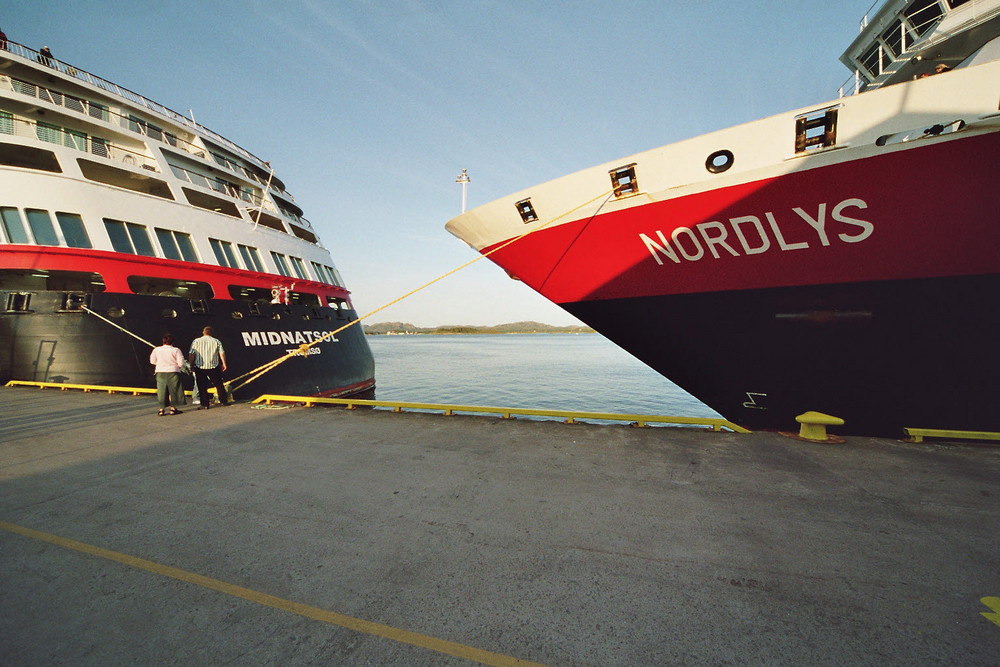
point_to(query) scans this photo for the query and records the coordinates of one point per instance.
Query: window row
(36, 227)
(68, 231)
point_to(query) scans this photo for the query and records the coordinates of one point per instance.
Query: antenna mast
(463, 178)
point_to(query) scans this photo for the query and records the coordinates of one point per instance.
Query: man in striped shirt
(208, 360)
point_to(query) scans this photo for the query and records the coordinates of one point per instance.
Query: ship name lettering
(748, 235)
(258, 338)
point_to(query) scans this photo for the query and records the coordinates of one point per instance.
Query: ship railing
(569, 416)
(81, 141)
(134, 98)
(888, 50)
(222, 187)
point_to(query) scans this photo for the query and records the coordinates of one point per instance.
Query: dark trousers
(210, 377)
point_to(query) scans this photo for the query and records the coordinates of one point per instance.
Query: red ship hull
(822, 289)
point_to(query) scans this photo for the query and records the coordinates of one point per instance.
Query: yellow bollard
(814, 425)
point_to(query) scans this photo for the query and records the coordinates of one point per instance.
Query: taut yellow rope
(303, 349)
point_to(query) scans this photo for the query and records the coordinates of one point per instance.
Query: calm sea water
(584, 372)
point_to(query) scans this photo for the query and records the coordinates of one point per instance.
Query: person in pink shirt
(168, 361)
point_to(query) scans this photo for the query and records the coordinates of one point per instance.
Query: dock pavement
(290, 535)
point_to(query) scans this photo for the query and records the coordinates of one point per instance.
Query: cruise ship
(121, 220)
(840, 258)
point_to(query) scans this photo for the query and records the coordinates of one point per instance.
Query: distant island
(405, 329)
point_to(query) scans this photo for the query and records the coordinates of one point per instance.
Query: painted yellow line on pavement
(349, 622)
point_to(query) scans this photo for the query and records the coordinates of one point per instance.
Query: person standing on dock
(168, 361)
(208, 359)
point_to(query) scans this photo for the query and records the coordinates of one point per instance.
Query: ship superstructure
(121, 219)
(840, 257)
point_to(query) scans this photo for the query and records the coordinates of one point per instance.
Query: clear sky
(368, 111)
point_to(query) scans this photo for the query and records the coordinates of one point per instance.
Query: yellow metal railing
(135, 391)
(569, 415)
(918, 434)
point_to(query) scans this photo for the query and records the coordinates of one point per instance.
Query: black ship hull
(881, 355)
(55, 340)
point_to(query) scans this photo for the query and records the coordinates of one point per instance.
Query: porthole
(116, 312)
(719, 161)
(237, 315)
(275, 316)
(168, 313)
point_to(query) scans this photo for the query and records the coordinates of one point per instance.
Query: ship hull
(819, 289)
(882, 355)
(51, 343)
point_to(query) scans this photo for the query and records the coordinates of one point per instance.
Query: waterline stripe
(333, 618)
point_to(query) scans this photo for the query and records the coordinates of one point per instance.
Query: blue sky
(369, 110)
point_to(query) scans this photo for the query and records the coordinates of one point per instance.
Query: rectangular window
(6, 122)
(279, 261)
(224, 253)
(167, 243)
(50, 133)
(73, 230)
(99, 111)
(99, 146)
(186, 246)
(298, 267)
(74, 139)
(320, 272)
(13, 225)
(119, 237)
(251, 258)
(41, 227)
(176, 245)
(129, 237)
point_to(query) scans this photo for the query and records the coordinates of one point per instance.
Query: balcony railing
(134, 98)
(53, 134)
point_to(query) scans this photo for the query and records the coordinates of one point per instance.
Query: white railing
(134, 98)
(53, 134)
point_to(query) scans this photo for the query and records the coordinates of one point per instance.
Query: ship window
(18, 302)
(279, 261)
(28, 157)
(893, 38)
(188, 289)
(99, 147)
(251, 294)
(303, 234)
(41, 227)
(260, 218)
(623, 181)
(14, 226)
(251, 258)
(211, 203)
(6, 122)
(956, 3)
(43, 280)
(74, 302)
(122, 178)
(302, 299)
(526, 211)
(176, 245)
(73, 230)
(816, 130)
(224, 253)
(923, 14)
(48, 132)
(129, 237)
(99, 111)
(298, 267)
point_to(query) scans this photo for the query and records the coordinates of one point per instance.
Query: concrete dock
(289, 535)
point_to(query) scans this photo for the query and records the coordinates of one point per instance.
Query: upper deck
(908, 39)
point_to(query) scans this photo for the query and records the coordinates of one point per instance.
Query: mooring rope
(303, 349)
(116, 326)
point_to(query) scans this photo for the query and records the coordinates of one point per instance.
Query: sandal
(161, 413)
(175, 411)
